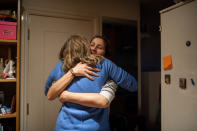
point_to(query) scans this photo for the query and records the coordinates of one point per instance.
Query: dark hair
(106, 41)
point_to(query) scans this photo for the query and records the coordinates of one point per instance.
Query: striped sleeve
(109, 90)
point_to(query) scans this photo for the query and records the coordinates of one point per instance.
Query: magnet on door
(192, 81)
(182, 83)
(167, 79)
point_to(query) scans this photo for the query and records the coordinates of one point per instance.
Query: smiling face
(97, 46)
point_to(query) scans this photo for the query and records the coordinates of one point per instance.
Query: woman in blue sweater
(77, 117)
(99, 45)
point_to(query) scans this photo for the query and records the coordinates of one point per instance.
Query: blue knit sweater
(75, 117)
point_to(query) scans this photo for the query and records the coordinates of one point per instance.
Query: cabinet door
(47, 35)
(179, 106)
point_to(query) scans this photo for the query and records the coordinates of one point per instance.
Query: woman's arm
(99, 100)
(86, 99)
(79, 70)
(120, 76)
(59, 86)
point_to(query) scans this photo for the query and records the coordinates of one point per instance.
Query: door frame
(137, 22)
(25, 21)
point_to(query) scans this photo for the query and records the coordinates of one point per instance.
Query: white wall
(124, 9)
(151, 98)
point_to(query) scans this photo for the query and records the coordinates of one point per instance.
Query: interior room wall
(112, 8)
(151, 107)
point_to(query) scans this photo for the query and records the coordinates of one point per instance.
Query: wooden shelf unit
(7, 80)
(12, 115)
(2, 41)
(12, 51)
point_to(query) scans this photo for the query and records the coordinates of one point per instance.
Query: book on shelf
(13, 104)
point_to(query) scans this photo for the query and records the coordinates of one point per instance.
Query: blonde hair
(77, 49)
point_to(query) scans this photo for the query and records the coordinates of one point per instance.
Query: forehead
(99, 41)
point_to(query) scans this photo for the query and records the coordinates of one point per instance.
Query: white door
(47, 35)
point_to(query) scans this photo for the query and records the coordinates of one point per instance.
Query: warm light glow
(22, 17)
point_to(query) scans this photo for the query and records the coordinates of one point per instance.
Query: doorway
(122, 36)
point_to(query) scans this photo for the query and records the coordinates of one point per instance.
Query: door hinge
(27, 108)
(160, 28)
(28, 34)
